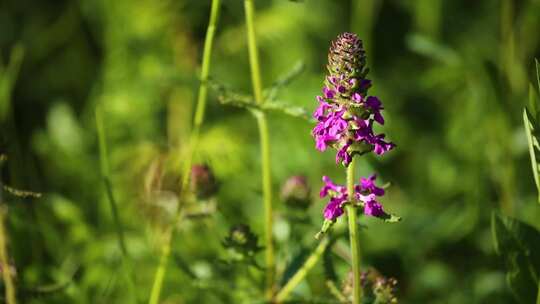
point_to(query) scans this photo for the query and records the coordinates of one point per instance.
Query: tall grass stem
(192, 145)
(265, 146)
(109, 190)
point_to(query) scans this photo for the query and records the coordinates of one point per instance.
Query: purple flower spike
(346, 113)
(345, 118)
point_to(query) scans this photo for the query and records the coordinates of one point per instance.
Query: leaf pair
(228, 96)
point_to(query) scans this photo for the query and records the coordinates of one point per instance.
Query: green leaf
(537, 72)
(519, 246)
(532, 140)
(295, 264)
(390, 218)
(283, 81)
(327, 224)
(8, 77)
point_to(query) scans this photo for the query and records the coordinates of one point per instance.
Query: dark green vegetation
(454, 77)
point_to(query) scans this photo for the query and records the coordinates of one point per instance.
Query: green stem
(538, 294)
(104, 164)
(4, 260)
(265, 146)
(193, 141)
(253, 52)
(353, 233)
(302, 272)
(267, 198)
(105, 173)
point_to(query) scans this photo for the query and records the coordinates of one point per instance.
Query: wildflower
(366, 193)
(346, 113)
(296, 192)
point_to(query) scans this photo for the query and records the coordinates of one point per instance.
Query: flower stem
(4, 259)
(302, 272)
(192, 144)
(353, 233)
(253, 52)
(267, 198)
(265, 146)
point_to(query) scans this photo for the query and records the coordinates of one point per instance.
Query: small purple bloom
(330, 186)
(333, 210)
(382, 146)
(328, 93)
(343, 156)
(338, 195)
(373, 208)
(366, 192)
(368, 185)
(375, 106)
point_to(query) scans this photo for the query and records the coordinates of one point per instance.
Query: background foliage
(453, 75)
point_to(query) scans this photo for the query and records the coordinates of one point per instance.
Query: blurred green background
(453, 76)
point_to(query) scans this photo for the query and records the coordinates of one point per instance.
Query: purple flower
(365, 193)
(373, 208)
(333, 210)
(382, 146)
(343, 156)
(328, 93)
(375, 106)
(346, 113)
(338, 195)
(329, 187)
(367, 185)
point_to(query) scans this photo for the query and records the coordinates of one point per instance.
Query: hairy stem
(105, 174)
(353, 234)
(265, 146)
(194, 139)
(302, 272)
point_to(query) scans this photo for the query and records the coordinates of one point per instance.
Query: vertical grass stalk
(265, 146)
(192, 145)
(9, 285)
(105, 174)
(303, 271)
(353, 234)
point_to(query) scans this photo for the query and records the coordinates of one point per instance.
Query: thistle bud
(296, 192)
(242, 240)
(203, 182)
